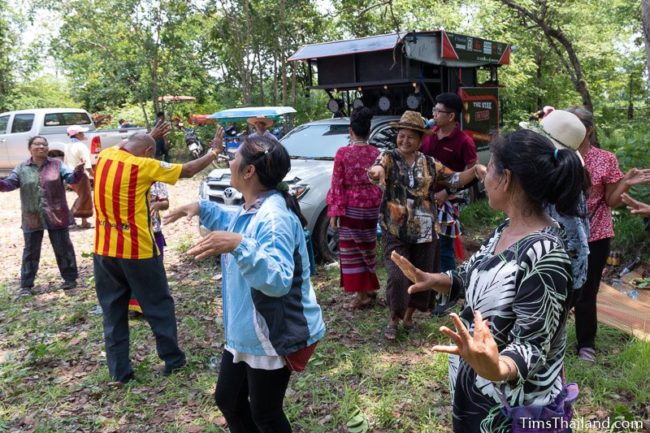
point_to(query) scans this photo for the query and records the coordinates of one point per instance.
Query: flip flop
(390, 332)
(587, 354)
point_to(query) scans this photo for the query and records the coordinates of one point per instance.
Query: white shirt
(75, 152)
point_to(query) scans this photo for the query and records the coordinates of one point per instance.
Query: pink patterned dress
(355, 201)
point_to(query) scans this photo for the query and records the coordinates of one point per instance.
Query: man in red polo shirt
(456, 150)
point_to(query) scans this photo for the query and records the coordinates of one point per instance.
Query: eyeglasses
(39, 144)
(435, 110)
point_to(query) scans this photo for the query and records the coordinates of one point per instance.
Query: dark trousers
(115, 280)
(63, 251)
(447, 258)
(585, 306)
(251, 399)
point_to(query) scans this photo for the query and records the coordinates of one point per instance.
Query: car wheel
(326, 240)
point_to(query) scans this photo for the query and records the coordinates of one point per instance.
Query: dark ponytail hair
(360, 122)
(545, 174)
(272, 163)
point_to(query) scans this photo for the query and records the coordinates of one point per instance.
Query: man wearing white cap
(76, 153)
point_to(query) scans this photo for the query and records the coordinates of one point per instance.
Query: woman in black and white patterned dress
(511, 335)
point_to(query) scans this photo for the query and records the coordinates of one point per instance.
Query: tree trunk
(568, 57)
(645, 16)
(539, 62)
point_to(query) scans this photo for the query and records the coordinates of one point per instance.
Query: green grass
(56, 379)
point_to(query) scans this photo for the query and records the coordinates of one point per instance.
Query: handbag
(552, 418)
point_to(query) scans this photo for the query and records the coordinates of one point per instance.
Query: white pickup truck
(17, 127)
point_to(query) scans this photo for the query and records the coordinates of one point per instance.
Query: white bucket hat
(564, 129)
(75, 129)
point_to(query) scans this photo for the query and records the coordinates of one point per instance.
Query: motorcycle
(192, 141)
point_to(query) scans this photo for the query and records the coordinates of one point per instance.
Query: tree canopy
(234, 52)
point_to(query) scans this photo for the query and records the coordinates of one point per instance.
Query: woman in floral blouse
(510, 338)
(607, 186)
(408, 214)
(353, 208)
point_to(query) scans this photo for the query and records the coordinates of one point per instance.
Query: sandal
(390, 332)
(587, 354)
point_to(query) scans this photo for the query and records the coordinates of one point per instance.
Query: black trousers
(585, 306)
(63, 251)
(251, 399)
(115, 279)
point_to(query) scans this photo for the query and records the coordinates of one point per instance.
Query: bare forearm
(193, 167)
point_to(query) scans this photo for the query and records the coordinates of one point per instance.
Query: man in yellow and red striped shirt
(126, 256)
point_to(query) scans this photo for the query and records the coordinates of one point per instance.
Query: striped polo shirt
(122, 181)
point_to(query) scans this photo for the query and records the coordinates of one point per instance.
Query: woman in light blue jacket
(271, 317)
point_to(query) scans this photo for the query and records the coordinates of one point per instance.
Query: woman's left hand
(636, 176)
(480, 350)
(215, 243)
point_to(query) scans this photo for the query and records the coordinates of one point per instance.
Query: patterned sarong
(357, 245)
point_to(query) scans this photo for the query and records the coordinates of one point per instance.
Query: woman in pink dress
(608, 184)
(353, 207)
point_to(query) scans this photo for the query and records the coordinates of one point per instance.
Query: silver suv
(312, 147)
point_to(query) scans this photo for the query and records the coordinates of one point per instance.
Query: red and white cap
(75, 129)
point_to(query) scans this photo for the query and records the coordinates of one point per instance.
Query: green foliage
(631, 237)
(42, 92)
(478, 218)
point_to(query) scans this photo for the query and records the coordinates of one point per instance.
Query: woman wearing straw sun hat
(408, 214)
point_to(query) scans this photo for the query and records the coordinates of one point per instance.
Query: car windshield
(316, 141)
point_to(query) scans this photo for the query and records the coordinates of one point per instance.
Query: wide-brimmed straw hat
(411, 120)
(256, 119)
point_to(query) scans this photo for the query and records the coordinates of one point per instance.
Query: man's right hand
(161, 130)
(217, 141)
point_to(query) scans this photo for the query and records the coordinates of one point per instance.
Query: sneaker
(24, 292)
(67, 285)
(441, 310)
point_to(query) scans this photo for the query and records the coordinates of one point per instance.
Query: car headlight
(298, 190)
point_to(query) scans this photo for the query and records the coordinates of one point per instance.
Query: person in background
(123, 123)
(635, 206)
(608, 184)
(77, 152)
(566, 131)
(261, 125)
(162, 143)
(456, 150)
(353, 207)
(126, 257)
(408, 214)
(158, 200)
(510, 337)
(44, 207)
(271, 317)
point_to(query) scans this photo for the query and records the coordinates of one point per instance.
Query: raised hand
(423, 281)
(480, 171)
(635, 206)
(189, 211)
(377, 175)
(215, 243)
(217, 141)
(637, 176)
(80, 167)
(480, 350)
(161, 130)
